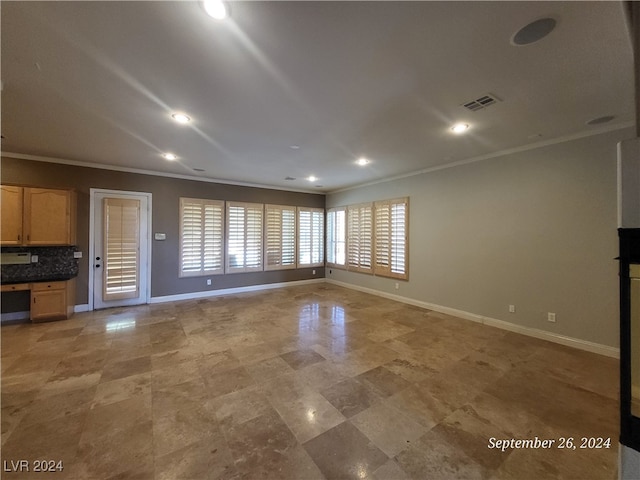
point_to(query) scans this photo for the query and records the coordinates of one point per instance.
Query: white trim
(492, 322)
(81, 308)
(147, 268)
(231, 291)
(488, 156)
(11, 316)
(141, 171)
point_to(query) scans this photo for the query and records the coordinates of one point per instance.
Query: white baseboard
(231, 291)
(81, 308)
(12, 316)
(512, 327)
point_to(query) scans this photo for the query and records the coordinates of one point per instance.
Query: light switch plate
(77, 254)
(160, 236)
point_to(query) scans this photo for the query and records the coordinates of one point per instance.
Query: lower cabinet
(52, 300)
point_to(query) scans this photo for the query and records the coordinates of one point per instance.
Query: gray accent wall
(166, 192)
(536, 229)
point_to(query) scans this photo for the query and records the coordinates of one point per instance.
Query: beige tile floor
(311, 382)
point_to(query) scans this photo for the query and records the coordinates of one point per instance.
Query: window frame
(361, 237)
(387, 269)
(332, 242)
(270, 208)
(202, 271)
(247, 207)
(313, 238)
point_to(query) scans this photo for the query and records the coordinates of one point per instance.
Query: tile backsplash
(54, 263)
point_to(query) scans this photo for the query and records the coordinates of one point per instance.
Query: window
(244, 237)
(280, 237)
(336, 236)
(310, 237)
(201, 237)
(391, 218)
(122, 246)
(359, 237)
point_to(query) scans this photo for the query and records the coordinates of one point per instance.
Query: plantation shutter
(383, 238)
(310, 236)
(399, 239)
(331, 234)
(244, 237)
(340, 236)
(280, 241)
(359, 237)
(122, 248)
(201, 236)
(391, 238)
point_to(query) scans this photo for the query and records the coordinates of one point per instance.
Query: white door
(119, 257)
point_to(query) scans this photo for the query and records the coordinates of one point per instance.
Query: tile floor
(308, 382)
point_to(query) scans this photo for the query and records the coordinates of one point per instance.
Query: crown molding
(102, 166)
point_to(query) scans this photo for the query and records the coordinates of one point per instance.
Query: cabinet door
(48, 304)
(47, 216)
(11, 215)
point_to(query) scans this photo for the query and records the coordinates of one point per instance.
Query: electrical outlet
(313, 271)
(208, 281)
(512, 309)
(551, 317)
(397, 286)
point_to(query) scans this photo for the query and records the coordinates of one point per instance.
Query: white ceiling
(96, 82)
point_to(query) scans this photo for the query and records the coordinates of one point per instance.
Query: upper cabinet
(38, 216)
(11, 215)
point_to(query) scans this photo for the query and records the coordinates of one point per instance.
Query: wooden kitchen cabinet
(52, 300)
(38, 216)
(12, 199)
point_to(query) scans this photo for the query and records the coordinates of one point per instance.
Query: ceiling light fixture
(215, 9)
(312, 178)
(362, 161)
(181, 118)
(170, 156)
(460, 128)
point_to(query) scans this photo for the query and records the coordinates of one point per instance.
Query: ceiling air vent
(482, 102)
(289, 178)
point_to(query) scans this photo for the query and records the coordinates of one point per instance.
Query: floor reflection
(309, 318)
(118, 325)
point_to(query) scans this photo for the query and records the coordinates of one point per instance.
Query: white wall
(536, 229)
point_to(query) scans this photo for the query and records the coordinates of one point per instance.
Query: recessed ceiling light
(460, 127)
(362, 161)
(181, 117)
(600, 120)
(215, 9)
(312, 178)
(170, 156)
(533, 32)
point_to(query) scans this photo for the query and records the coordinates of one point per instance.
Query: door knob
(97, 258)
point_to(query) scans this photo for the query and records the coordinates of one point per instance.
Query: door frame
(144, 269)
